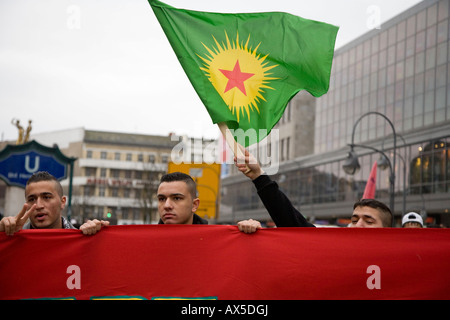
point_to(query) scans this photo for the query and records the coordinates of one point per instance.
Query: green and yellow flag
(246, 67)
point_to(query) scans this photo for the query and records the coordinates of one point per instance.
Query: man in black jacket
(177, 203)
(367, 213)
(178, 200)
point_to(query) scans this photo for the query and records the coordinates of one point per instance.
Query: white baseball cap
(412, 217)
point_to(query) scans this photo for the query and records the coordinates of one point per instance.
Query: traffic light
(111, 217)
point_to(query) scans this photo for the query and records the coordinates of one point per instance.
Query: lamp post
(351, 165)
(383, 166)
(383, 163)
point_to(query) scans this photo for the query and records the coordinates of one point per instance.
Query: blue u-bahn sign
(19, 162)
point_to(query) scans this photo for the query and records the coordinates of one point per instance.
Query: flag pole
(234, 146)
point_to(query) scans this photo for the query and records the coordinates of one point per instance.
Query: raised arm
(276, 202)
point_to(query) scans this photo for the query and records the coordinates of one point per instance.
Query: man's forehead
(366, 211)
(40, 187)
(172, 188)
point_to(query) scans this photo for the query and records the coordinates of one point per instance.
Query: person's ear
(195, 204)
(63, 202)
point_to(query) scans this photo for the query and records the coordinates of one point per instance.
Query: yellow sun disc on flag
(239, 74)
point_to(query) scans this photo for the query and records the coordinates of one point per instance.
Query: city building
(389, 97)
(116, 175)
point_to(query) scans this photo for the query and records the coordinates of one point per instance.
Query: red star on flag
(236, 78)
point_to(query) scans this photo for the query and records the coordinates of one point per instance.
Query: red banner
(219, 262)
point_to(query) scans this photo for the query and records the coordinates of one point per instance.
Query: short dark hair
(386, 214)
(45, 176)
(180, 176)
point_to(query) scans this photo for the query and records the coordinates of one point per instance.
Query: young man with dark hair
(44, 203)
(178, 200)
(371, 213)
(177, 203)
(367, 213)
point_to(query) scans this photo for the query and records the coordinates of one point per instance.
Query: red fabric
(369, 191)
(200, 261)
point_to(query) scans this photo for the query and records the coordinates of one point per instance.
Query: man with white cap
(412, 220)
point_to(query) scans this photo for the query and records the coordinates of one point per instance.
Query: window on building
(115, 173)
(136, 214)
(114, 192)
(288, 143)
(90, 172)
(88, 191)
(430, 168)
(100, 212)
(125, 213)
(138, 174)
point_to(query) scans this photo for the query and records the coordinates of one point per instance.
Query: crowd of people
(367, 213)
(178, 201)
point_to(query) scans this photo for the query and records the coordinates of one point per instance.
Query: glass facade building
(400, 71)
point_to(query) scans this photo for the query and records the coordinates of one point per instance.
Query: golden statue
(21, 139)
(27, 134)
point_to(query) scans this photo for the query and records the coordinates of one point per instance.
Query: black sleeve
(278, 205)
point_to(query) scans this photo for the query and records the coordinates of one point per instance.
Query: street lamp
(351, 164)
(383, 162)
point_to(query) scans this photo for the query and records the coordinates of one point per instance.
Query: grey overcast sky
(107, 65)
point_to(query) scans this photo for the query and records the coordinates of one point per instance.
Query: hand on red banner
(249, 226)
(10, 225)
(91, 227)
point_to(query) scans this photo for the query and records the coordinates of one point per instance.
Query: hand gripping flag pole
(234, 146)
